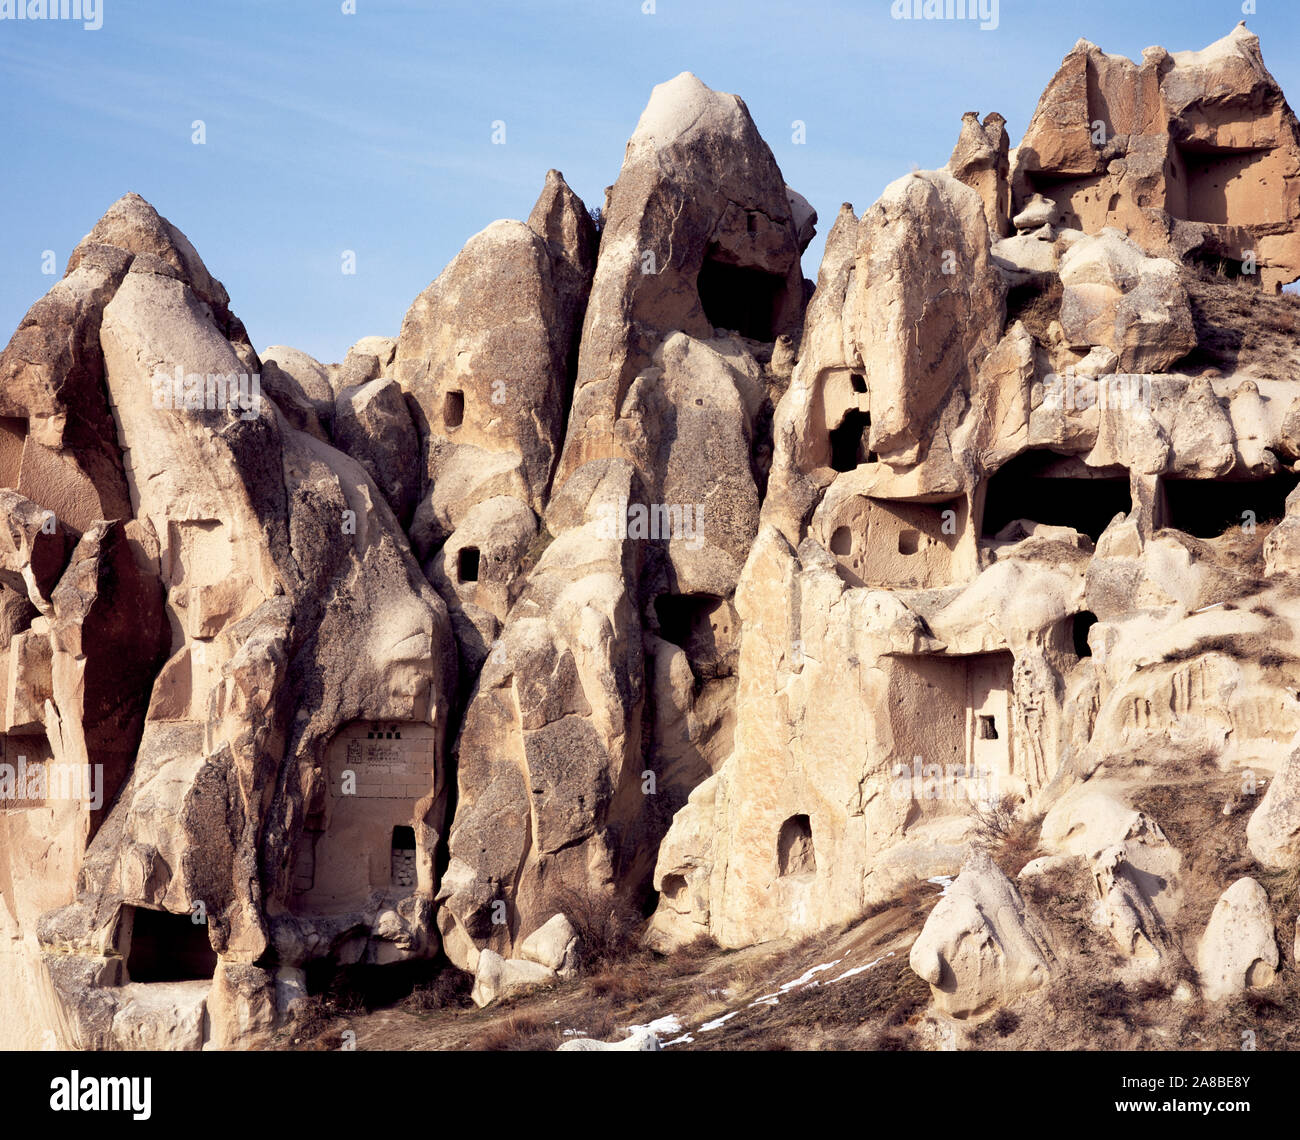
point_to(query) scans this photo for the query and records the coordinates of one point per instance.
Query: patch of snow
(807, 976)
(575, 1032)
(944, 881)
(660, 1027)
(769, 999)
(718, 1021)
(862, 969)
(684, 1039)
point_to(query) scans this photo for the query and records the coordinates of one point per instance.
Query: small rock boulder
(554, 945)
(1273, 833)
(499, 977)
(1116, 296)
(1238, 950)
(980, 946)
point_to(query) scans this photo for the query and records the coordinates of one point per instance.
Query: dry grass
(1036, 308)
(522, 1032)
(608, 928)
(1239, 327)
(449, 990)
(1011, 838)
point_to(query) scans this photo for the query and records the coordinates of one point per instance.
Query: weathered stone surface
(554, 945)
(485, 356)
(1118, 298)
(1238, 950)
(769, 611)
(498, 977)
(980, 946)
(1273, 832)
(372, 424)
(1191, 153)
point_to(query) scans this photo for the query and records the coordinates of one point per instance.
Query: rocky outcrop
(1190, 154)
(186, 636)
(725, 601)
(980, 944)
(485, 357)
(1273, 832)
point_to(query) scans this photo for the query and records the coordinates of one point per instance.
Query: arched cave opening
(794, 847)
(740, 299)
(1044, 487)
(1208, 508)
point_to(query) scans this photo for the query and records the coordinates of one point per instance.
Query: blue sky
(372, 132)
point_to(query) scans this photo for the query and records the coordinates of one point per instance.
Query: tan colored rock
(1118, 298)
(927, 233)
(980, 946)
(499, 977)
(554, 945)
(980, 161)
(1190, 154)
(485, 356)
(699, 237)
(1273, 831)
(1238, 950)
(372, 424)
(1124, 908)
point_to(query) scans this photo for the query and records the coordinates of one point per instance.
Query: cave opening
(1080, 626)
(168, 947)
(453, 410)
(1044, 487)
(1208, 508)
(684, 619)
(467, 559)
(849, 441)
(794, 845)
(740, 299)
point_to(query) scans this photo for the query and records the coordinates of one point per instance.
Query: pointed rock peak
(563, 222)
(684, 105)
(133, 225)
(1240, 42)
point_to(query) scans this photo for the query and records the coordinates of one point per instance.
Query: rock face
(485, 358)
(1192, 153)
(1117, 298)
(653, 510)
(185, 632)
(723, 601)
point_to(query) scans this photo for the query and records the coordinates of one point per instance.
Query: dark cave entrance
(1208, 508)
(849, 441)
(168, 947)
(684, 619)
(453, 410)
(1044, 487)
(1080, 625)
(744, 300)
(467, 564)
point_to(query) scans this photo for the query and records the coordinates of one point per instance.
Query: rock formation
(638, 575)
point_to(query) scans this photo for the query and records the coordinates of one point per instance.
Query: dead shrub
(449, 990)
(521, 1032)
(608, 928)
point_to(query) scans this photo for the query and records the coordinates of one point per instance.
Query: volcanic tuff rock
(735, 605)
